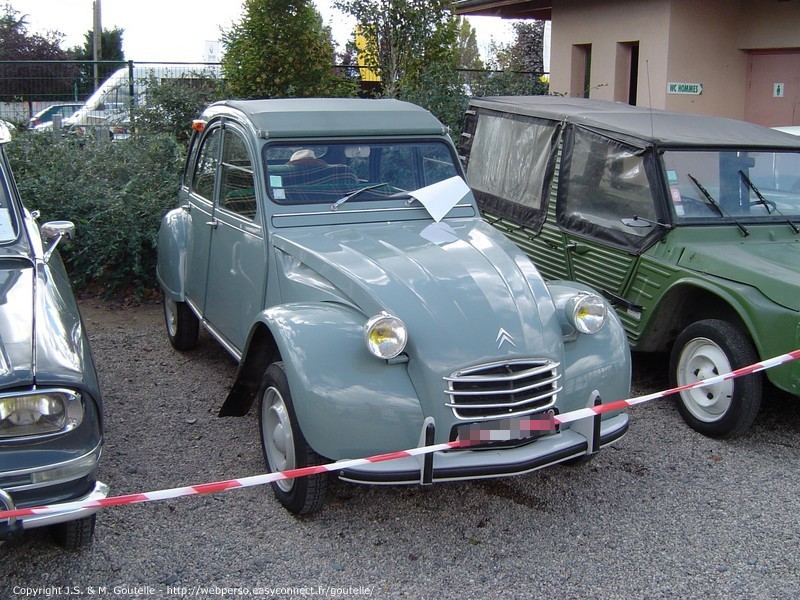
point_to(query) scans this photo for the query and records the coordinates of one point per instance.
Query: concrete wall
(682, 41)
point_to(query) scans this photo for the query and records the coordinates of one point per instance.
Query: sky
(177, 30)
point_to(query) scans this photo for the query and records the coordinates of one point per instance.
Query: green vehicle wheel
(704, 350)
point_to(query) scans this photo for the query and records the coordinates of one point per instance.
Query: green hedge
(114, 192)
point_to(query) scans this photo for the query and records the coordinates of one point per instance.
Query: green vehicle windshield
(747, 186)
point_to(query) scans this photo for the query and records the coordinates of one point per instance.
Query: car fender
(173, 238)
(348, 403)
(763, 320)
(599, 362)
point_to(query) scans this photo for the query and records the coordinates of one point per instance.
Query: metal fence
(106, 90)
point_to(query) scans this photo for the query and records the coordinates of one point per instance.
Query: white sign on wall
(692, 89)
(777, 90)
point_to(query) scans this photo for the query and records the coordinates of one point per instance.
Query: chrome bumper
(100, 491)
(455, 465)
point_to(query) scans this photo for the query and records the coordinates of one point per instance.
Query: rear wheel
(74, 534)
(704, 350)
(286, 448)
(183, 326)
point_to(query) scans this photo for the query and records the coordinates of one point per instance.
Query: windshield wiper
(358, 192)
(716, 205)
(764, 201)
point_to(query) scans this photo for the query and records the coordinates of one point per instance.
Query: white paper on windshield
(440, 197)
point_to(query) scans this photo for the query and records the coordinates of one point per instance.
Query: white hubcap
(702, 359)
(278, 439)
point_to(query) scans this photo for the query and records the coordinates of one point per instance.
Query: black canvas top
(659, 127)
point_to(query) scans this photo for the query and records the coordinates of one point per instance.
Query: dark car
(50, 405)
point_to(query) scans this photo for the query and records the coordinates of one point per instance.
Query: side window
(603, 182)
(237, 187)
(511, 166)
(205, 170)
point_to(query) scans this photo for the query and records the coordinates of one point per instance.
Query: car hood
(466, 294)
(32, 307)
(16, 322)
(771, 267)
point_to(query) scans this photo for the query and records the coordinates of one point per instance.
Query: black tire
(183, 326)
(73, 535)
(706, 349)
(285, 447)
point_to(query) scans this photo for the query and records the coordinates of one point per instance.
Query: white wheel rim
(699, 360)
(171, 310)
(277, 434)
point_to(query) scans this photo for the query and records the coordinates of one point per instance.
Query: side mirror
(53, 232)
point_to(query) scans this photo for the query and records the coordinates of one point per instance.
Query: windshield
(745, 186)
(8, 232)
(328, 172)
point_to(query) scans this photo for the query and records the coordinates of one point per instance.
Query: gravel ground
(666, 513)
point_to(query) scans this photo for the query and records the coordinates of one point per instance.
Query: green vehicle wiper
(716, 205)
(765, 202)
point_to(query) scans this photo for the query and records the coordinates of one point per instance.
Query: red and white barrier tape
(207, 488)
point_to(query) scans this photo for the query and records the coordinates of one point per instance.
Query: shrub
(114, 192)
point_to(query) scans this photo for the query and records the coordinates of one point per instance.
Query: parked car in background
(43, 120)
(334, 250)
(51, 412)
(688, 224)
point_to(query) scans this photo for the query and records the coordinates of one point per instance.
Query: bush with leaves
(115, 193)
(170, 105)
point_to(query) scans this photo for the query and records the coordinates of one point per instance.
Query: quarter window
(237, 187)
(205, 170)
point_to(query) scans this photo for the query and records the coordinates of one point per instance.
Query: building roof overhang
(506, 9)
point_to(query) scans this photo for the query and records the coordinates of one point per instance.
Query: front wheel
(704, 350)
(183, 326)
(76, 534)
(286, 448)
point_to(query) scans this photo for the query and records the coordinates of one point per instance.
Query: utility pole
(96, 41)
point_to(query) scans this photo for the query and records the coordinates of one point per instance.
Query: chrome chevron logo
(502, 337)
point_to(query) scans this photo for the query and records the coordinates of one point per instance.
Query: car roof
(650, 126)
(326, 117)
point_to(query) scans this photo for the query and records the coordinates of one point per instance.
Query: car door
(607, 208)
(199, 201)
(237, 266)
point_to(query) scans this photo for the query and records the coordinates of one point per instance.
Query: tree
(526, 53)
(280, 48)
(110, 50)
(50, 81)
(469, 57)
(404, 37)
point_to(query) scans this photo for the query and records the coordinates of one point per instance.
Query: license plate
(503, 431)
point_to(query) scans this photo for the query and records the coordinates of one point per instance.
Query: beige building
(734, 58)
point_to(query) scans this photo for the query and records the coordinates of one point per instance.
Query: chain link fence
(100, 97)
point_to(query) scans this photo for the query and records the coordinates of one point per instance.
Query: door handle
(212, 223)
(577, 248)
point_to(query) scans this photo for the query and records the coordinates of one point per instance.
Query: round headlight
(386, 336)
(587, 313)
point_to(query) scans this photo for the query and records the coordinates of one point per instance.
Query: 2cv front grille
(503, 389)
